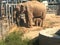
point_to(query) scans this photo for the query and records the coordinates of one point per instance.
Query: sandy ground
(50, 21)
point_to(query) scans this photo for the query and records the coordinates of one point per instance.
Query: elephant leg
(36, 21)
(30, 19)
(30, 16)
(41, 23)
(30, 22)
(42, 19)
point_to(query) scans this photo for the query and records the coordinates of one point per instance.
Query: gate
(7, 12)
(6, 22)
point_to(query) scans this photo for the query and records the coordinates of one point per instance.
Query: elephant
(37, 21)
(33, 9)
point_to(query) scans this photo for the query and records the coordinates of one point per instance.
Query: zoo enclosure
(7, 14)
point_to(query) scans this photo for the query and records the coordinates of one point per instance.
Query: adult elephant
(33, 9)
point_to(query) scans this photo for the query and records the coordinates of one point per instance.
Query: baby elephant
(37, 21)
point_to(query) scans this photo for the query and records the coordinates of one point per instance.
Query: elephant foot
(41, 25)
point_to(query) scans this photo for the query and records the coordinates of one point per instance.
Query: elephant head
(21, 8)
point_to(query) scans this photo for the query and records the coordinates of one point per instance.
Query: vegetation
(2, 42)
(15, 38)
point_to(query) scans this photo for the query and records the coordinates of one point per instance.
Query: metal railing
(6, 20)
(52, 9)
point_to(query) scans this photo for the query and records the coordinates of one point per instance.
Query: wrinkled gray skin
(32, 9)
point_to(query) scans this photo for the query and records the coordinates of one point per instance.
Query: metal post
(7, 16)
(7, 1)
(0, 10)
(12, 13)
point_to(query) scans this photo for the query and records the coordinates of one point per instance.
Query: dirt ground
(50, 21)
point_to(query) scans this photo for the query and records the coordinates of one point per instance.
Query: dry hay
(51, 21)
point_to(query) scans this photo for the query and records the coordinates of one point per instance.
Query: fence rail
(6, 20)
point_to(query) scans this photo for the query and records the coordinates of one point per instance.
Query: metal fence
(52, 9)
(7, 18)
